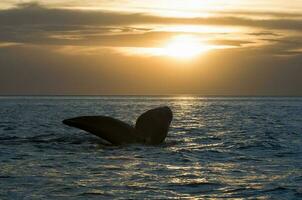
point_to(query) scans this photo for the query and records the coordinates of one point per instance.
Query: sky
(144, 47)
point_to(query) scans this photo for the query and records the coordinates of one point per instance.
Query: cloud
(35, 14)
(265, 33)
(31, 23)
(285, 46)
(262, 14)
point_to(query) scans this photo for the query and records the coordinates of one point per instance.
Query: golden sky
(200, 47)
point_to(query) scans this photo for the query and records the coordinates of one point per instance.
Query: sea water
(217, 148)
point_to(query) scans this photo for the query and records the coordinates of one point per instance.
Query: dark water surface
(217, 148)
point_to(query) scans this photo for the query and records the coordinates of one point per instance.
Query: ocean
(217, 148)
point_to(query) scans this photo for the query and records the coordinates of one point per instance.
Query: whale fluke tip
(154, 124)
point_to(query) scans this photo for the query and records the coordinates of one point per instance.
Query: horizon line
(138, 95)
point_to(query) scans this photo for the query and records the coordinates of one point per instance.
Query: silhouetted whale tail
(150, 128)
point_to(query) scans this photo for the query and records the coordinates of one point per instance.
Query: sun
(180, 47)
(184, 46)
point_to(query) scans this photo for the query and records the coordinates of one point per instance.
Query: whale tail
(150, 128)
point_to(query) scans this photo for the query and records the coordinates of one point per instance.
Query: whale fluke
(150, 128)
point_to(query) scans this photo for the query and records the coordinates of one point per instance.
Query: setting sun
(178, 47)
(185, 46)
